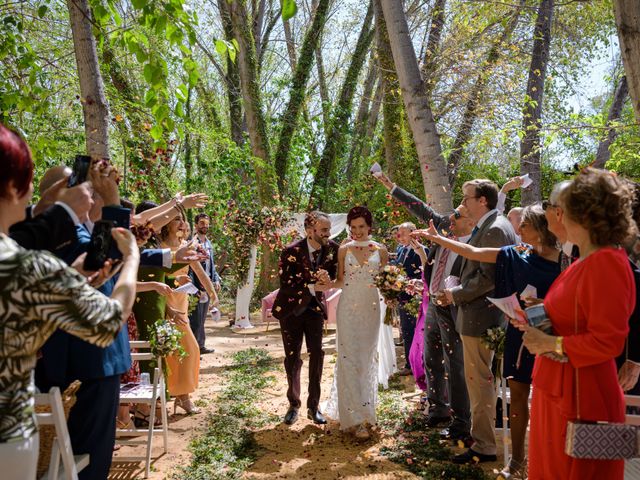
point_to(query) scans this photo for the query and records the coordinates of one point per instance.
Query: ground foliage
(416, 447)
(226, 447)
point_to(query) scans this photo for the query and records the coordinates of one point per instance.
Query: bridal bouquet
(391, 281)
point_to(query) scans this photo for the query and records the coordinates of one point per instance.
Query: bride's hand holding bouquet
(391, 282)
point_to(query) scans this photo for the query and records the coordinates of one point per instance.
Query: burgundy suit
(301, 315)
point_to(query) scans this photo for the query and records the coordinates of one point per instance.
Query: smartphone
(100, 245)
(537, 316)
(80, 170)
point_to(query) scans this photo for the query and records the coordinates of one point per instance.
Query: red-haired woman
(39, 293)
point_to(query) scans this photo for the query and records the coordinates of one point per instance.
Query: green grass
(226, 447)
(416, 447)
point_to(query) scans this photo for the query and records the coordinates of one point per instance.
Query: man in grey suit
(476, 315)
(447, 391)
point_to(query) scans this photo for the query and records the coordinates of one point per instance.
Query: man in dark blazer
(306, 267)
(444, 366)
(476, 314)
(410, 261)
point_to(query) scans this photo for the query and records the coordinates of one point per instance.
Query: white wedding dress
(354, 391)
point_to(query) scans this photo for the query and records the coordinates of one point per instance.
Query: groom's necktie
(315, 255)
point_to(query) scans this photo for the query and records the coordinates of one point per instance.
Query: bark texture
(94, 102)
(531, 144)
(619, 97)
(628, 22)
(433, 168)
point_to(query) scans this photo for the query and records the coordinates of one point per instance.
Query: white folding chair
(61, 449)
(149, 395)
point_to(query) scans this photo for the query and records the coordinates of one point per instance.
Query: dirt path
(303, 450)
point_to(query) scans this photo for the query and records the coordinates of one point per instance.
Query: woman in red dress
(589, 305)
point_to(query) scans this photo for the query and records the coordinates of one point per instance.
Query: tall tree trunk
(433, 168)
(258, 22)
(322, 87)
(301, 76)
(391, 110)
(360, 125)
(234, 95)
(94, 102)
(291, 48)
(372, 122)
(251, 94)
(433, 45)
(619, 97)
(628, 21)
(188, 160)
(471, 111)
(531, 144)
(208, 105)
(335, 144)
(252, 97)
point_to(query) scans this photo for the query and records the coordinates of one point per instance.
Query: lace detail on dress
(354, 391)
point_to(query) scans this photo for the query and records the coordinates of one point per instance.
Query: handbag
(598, 440)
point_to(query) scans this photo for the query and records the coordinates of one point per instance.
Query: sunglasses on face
(546, 204)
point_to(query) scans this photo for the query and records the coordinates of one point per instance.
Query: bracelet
(559, 350)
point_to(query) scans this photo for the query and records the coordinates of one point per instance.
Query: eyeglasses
(546, 204)
(464, 200)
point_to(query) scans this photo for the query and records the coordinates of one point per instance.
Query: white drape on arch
(244, 293)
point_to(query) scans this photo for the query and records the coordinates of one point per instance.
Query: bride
(355, 384)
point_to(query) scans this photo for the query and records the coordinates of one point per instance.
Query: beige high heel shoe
(184, 402)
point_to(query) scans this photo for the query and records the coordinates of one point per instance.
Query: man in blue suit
(408, 259)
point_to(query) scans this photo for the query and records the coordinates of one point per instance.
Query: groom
(306, 268)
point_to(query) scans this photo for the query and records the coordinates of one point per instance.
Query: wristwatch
(559, 349)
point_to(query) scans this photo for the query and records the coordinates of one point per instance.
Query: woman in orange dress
(589, 305)
(183, 373)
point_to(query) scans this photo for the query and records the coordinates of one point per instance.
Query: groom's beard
(321, 240)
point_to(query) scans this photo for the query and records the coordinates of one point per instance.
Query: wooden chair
(149, 395)
(61, 450)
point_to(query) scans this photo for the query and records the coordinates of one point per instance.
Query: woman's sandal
(140, 420)
(129, 425)
(515, 470)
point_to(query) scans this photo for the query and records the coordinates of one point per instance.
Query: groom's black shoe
(316, 416)
(291, 416)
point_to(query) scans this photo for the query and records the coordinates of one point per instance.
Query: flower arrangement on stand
(249, 224)
(391, 282)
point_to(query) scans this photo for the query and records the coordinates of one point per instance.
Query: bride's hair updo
(360, 212)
